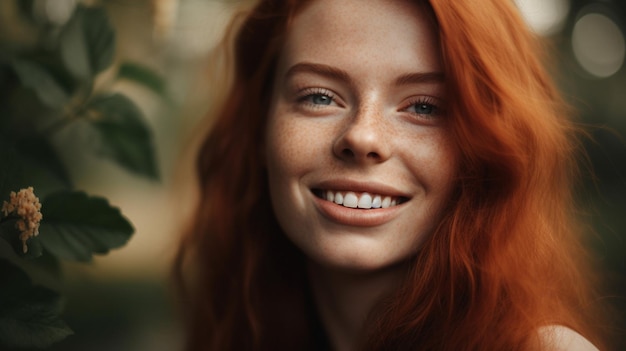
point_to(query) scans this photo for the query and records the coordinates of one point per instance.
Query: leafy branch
(47, 88)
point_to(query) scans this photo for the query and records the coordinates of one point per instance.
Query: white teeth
(386, 202)
(350, 200)
(377, 202)
(365, 201)
(339, 199)
(330, 196)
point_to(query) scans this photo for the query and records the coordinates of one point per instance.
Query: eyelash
(424, 101)
(307, 94)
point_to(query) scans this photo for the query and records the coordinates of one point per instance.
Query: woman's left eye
(425, 107)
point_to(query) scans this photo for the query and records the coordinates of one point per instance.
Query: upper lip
(371, 187)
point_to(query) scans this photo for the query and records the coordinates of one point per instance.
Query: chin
(356, 256)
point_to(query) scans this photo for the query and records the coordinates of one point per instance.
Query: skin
(341, 120)
(358, 105)
(560, 338)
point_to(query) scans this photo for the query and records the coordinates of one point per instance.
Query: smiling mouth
(359, 200)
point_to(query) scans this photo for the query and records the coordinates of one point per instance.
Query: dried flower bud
(25, 205)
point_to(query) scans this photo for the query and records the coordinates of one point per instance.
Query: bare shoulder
(561, 338)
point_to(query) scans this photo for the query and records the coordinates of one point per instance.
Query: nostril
(347, 153)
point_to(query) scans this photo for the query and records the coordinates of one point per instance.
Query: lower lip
(355, 217)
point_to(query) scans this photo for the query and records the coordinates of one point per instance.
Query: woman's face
(359, 158)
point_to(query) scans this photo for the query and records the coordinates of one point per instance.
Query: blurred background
(123, 300)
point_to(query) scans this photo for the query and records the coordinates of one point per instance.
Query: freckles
(283, 152)
(294, 145)
(430, 155)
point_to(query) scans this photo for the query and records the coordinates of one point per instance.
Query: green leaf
(14, 280)
(100, 38)
(75, 226)
(11, 234)
(35, 249)
(30, 162)
(11, 177)
(46, 266)
(29, 315)
(124, 136)
(144, 76)
(87, 42)
(42, 82)
(42, 161)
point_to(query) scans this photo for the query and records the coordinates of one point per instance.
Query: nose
(364, 139)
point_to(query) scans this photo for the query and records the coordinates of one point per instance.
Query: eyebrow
(339, 74)
(320, 69)
(420, 78)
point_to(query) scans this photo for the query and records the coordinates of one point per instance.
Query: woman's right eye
(317, 97)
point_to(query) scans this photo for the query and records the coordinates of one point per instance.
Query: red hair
(505, 260)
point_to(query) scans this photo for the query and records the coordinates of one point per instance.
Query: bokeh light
(598, 45)
(55, 12)
(544, 17)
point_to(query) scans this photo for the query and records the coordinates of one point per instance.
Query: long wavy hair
(506, 258)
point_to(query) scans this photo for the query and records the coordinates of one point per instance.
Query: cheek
(446, 164)
(292, 146)
(445, 172)
(436, 164)
(287, 160)
(282, 152)
(289, 156)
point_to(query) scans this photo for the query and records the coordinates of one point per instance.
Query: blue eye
(314, 98)
(422, 108)
(319, 99)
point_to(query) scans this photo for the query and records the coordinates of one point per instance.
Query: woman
(387, 175)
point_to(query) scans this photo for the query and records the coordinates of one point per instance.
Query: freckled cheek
(292, 145)
(434, 160)
(291, 154)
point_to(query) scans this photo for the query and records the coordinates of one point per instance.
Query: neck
(345, 299)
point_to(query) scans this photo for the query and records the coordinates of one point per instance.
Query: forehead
(364, 31)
